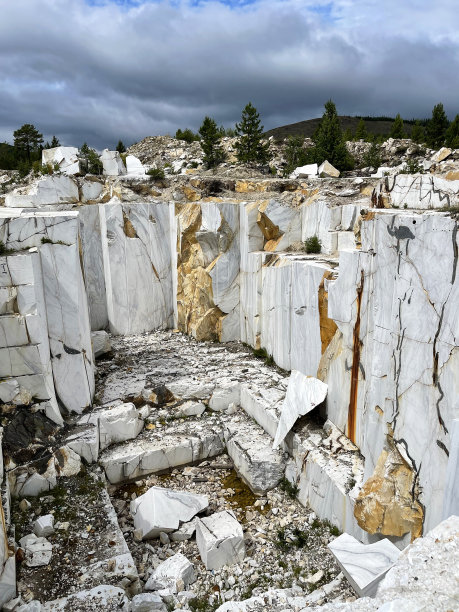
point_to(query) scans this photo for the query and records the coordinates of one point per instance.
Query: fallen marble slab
(146, 602)
(174, 574)
(85, 441)
(304, 393)
(220, 540)
(117, 424)
(164, 510)
(255, 461)
(101, 598)
(326, 170)
(38, 551)
(157, 451)
(44, 526)
(224, 395)
(364, 565)
(101, 344)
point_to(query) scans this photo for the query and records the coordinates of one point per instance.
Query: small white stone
(44, 526)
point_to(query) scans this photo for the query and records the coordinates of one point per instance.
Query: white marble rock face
(220, 540)
(304, 393)
(65, 157)
(364, 565)
(173, 574)
(422, 191)
(50, 191)
(451, 495)
(164, 509)
(138, 265)
(112, 163)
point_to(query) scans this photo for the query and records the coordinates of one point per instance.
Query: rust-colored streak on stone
(387, 503)
(269, 230)
(352, 412)
(128, 228)
(327, 326)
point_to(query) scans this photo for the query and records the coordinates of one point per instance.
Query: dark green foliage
(288, 487)
(4, 250)
(372, 157)
(329, 141)
(412, 167)
(262, 353)
(312, 245)
(156, 173)
(436, 127)
(295, 154)
(452, 134)
(230, 132)
(120, 147)
(91, 160)
(187, 135)
(418, 133)
(8, 156)
(54, 143)
(27, 140)
(24, 167)
(397, 130)
(211, 137)
(361, 133)
(250, 146)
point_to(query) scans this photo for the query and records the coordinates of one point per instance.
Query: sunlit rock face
(394, 304)
(208, 270)
(418, 191)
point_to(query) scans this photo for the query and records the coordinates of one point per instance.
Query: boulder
(38, 551)
(144, 602)
(85, 442)
(112, 163)
(326, 170)
(441, 155)
(64, 157)
(220, 540)
(134, 166)
(303, 394)
(224, 395)
(175, 574)
(44, 526)
(164, 509)
(191, 408)
(305, 171)
(100, 343)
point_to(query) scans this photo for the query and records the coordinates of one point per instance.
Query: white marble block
(364, 565)
(304, 393)
(175, 574)
(66, 158)
(220, 540)
(117, 424)
(112, 163)
(44, 526)
(164, 509)
(49, 191)
(305, 171)
(134, 166)
(101, 344)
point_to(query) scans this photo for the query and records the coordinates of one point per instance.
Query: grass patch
(262, 353)
(289, 488)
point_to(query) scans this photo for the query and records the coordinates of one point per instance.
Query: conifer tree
(54, 143)
(27, 140)
(397, 130)
(91, 159)
(452, 134)
(211, 137)
(361, 132)
(250, 146)
(120, 147)
(417, 133)
(437, 126)
(329, 141)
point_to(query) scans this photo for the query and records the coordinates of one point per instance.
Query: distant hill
(374, 125)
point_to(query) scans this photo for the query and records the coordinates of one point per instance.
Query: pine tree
(250, 146)
(361, 132)
(120, 147)
(91, 159)
(211, 137)
(54, 143)
(329, 141)
(27, 140)
(397, 130)
(295, 154)
(452, 134)
(417, 133)
(436, 127)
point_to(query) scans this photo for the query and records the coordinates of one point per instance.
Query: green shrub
(312, 245)
(288, 487)
(372, 157)
(187, 135)
(412, 167)
(156, 173)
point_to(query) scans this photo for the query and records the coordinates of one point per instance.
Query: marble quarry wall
(374, 316)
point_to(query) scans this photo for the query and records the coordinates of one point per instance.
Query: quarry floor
(286, 544)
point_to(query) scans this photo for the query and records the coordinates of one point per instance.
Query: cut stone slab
(188, 388)
(100, 343)
(441, 155)
(220, 540)
(305, 171)
(44, 526)
(117, 424)
(326, 170)
(38, 551)
(155, 452)
(174, 574)
(303, 394)
(224, 395)
(255, 461)
(164, 509)
(144, 602)
(364, 565)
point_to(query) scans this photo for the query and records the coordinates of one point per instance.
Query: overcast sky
(100, 70)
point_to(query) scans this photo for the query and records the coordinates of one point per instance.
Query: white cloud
(99, 73)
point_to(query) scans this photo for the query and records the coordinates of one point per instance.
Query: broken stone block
(441, 155)
(220, 540)
(303, 394)
(144, 602)
(185, 532)
(305, 171)
(38, 551)
(164, 509)
(65, 157)
(68, 462)
(175, 574)
(134, 166)
(223, 396)
(85, 442)
(190, 389)
(112, 163)
(326, 170)
(255, 461)
(44, 526)
(117, 424)
(191, 408)
(364, 565)
(100, 343)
